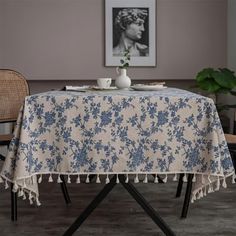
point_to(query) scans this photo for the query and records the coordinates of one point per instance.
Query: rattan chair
(13, 90)
(231, 141)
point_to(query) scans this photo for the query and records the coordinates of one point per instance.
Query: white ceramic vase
(122, 80)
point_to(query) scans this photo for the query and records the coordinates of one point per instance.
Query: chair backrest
(13, 89)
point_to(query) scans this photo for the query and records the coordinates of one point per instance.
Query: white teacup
(104, 82)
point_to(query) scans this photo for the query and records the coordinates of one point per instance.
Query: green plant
(217, 81)
(125, 60)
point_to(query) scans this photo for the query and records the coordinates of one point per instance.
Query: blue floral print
(167, 131)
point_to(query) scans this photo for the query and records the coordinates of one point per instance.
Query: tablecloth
(138, 133)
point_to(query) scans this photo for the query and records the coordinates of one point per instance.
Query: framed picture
(130, 24)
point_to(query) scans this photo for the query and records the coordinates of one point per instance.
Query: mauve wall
(232, 34)
(1, 33)
(64, 39)
(231, 52)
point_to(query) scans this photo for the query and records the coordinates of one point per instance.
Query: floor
(119, 214)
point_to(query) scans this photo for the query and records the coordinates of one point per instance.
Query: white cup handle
(117, 70)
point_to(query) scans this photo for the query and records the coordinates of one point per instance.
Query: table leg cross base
(134, 193)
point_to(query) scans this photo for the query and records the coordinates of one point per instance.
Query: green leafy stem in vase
(125, 60)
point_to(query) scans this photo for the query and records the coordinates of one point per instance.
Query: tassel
(217, 184)
(87, 179)
(165, 179)
(40, 179)
(194, 178)
(156, 179)
(1, 180)
(32, 180)
(205, 191)
(175, 177)
(185, 178)
(98, 181)
(50, 179)
(198, 195)
(224, 185)
(37, 201)
(117, 179)
(24, 184)
(209, 179)
(68, 179)
(107, 180)
(20, 193)
(210, 190)
(127, 179)
(203, 180)
(24, 197)
(31, 201)
(145, 181)
(233, 179)
(59, 179)
(78, 179)
(201, 193)
(30, 198)
(136, 180)
(15, 187)
(6, 185)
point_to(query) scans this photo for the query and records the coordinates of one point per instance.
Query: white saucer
(143, 87)
(99, 88)
(76, 88)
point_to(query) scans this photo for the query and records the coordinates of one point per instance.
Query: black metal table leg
(187, 196)
(13, 205)
(134, 193)
(91, 207)
(2, 158)
(91, 177)
(146, 206)
(180, 185)
(64, 190)
(160, 181)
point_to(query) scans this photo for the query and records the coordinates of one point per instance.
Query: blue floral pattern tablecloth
(167, 132)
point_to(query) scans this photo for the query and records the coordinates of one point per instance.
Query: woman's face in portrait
(134, 30)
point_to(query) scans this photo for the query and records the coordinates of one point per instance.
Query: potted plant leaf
(217, 81)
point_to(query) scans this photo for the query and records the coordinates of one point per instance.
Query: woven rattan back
(13, 90)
